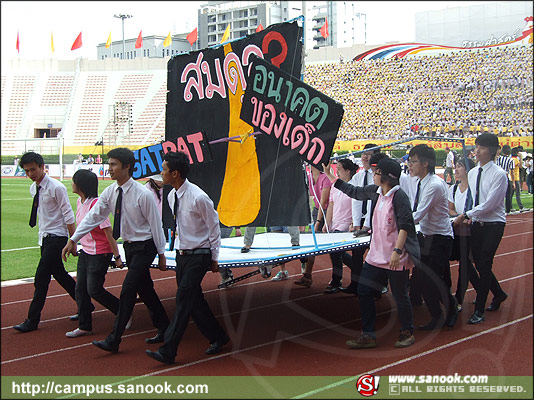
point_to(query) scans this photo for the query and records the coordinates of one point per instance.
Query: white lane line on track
(238, 312)
(411, 358)
(332, 385)
(245, 284)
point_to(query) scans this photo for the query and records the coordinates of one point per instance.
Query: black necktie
(477, 193)
(364, 203)
(35, 205)
(117, 216)
(175, 215)
(416, 202)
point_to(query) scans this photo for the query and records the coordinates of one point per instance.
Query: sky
(36, 21)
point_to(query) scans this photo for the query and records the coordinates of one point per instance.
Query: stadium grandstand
(95, 105)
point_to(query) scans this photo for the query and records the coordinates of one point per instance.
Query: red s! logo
(277, 37)
(367, 385)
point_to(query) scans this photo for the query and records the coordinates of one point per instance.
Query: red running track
(280, 329)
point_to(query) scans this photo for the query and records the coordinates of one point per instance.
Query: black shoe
(452, 316)
(156, 339)
(351, 289)
(106, 346)
(476, 318)
(331, 289)
(216, 346)
(245, 249)
(496, 302)
(156, 355)
(435, 323)
(26, 326)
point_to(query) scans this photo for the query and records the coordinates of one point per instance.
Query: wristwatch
(397, 250)
(117, 257)
(465, 216)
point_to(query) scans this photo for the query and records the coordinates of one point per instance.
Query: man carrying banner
(197, 243)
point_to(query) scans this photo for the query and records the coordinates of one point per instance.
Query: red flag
(139, 41)
(192, 37)
(18, 43)
(77, 43)
(324, 29)
(259, 28)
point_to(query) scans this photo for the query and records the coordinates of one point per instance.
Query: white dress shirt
(140, 218)
(493, 184)
(197, 222)
(54, 210)
(432, 212)
(357, 215)
(408, 184)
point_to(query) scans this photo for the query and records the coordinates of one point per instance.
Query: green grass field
(20, 250)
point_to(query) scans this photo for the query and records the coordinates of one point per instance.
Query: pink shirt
(95, 242)
(385, 233)
(317, 188)
(341, 211)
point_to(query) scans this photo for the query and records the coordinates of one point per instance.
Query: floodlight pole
(123, 17)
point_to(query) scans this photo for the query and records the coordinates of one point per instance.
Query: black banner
(251, 180)
(289, 111)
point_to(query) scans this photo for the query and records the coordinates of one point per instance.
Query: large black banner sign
(291, 112)
(251, 180)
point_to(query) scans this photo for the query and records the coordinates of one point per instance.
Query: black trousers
(49, 265)
(508, 197)
(90, 277)
(139, 257)
(190, 303)
(433, 277)
(485, 241)
(466, 270)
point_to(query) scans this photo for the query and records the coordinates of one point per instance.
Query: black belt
(482, 223)
(193, 252)
(46, 235)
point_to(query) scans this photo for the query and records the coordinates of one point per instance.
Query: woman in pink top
(339, 219)
(319, 188)
(393, 252)
(94, 259)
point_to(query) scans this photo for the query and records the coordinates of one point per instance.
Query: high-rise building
(346, 25)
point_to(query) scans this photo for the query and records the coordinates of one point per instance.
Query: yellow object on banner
(52, 41)
(167, 40)
(226, 34)
(108, 43)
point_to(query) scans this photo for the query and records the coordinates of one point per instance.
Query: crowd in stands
(460, 94)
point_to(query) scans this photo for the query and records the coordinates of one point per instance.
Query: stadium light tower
(123, 17)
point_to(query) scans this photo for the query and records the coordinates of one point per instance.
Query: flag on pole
(259, 28)
(324, 29)
(226, 34)
(18, 43)
(167, 40)
(77, 43)
(52, 41)
(108, 43)
(192, 37)
(139, 41)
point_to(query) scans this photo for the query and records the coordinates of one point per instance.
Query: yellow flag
(108, 43)
(167, 40)
(226, 34)
(52, 41)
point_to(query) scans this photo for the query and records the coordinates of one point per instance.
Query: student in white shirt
(488, 184)
(138, 222)
(56, 223)
(431, 212)
(198, 239)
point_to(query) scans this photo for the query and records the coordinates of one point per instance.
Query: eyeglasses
(377, 173)
(410, 162)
